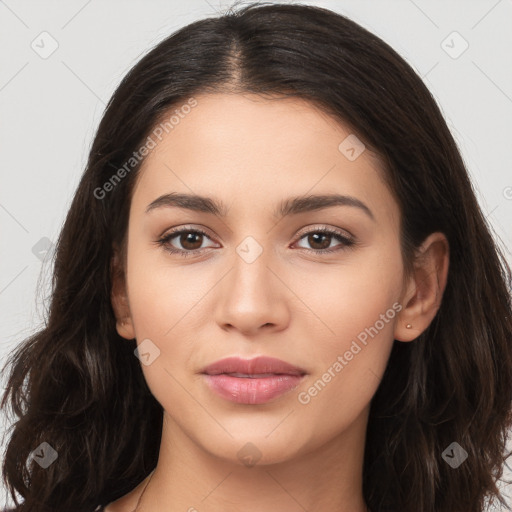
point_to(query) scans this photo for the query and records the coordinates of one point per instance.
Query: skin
(304, 308)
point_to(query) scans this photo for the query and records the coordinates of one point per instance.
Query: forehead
(259, 150)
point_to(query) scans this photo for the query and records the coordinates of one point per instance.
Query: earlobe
(125, 329)
(406, 332)
(425, 289)
(119, 300)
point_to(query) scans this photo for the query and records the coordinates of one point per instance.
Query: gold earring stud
(408, 326)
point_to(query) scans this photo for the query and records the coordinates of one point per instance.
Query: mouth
(252, 381)
(260, 366)
(250, 375)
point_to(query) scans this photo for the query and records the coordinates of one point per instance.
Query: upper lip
(257, 365)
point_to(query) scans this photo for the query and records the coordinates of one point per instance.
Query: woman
(207, 349)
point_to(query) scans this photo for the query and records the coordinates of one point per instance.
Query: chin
(254, 446)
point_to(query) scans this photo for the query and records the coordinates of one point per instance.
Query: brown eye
(184, 242)
(320, 241)
(191, 240)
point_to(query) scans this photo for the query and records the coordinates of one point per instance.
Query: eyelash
(346, 242)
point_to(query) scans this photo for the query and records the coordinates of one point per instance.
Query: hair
(76, 384)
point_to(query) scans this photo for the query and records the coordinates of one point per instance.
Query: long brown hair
(76, 384)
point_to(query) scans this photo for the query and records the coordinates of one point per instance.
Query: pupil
(320, 235)
(188, 238)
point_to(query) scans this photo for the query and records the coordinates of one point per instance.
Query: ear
(119, 298)
(425, 288)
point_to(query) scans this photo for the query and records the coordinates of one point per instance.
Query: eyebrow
(290, 206)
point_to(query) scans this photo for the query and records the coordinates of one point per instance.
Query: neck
(317, 478)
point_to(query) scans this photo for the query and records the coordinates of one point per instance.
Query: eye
(190, 240)
(321, 238)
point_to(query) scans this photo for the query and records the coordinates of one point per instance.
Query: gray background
(51, 105)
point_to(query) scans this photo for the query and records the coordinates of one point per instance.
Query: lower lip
(246, 390)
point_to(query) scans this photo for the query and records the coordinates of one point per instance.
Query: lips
(252, 381)
(252, 368)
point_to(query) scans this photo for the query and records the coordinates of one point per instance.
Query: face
(317, 284)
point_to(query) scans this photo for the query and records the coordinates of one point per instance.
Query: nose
(252, 298)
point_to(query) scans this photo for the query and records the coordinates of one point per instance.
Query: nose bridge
(251, 296)
(250, 275)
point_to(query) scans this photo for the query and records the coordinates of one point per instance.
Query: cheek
(355, 295)
(162, 295)
(164, 303)
(358, 309)
(162, 306)
(347, 369)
